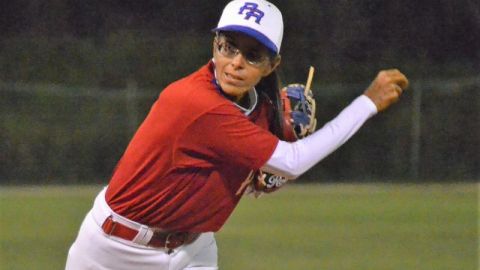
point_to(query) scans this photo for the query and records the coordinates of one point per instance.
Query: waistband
(134, 233)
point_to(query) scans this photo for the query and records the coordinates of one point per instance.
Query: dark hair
(269, 89)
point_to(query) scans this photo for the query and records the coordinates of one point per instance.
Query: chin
(232, 90)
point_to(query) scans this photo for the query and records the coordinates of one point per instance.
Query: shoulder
(196, 89)
(193, 96)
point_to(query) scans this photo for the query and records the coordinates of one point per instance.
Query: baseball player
(205, 140)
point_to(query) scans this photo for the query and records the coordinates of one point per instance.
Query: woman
(182, 174)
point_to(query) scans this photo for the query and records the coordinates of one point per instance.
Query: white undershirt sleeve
(291, 159)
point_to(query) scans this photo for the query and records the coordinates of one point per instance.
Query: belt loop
(167, 242)
(109, 225)
(143, 236)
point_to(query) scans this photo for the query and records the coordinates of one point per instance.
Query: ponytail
(269, 89)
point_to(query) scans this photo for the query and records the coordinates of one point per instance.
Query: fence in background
(62, 134)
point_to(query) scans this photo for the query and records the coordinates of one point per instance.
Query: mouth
(232, 78)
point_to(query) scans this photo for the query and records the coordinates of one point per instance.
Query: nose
(238, 61)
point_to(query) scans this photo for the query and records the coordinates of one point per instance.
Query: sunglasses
(228, 49)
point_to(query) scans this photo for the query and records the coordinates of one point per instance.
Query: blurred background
(78, 77)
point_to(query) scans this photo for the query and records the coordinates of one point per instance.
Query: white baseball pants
(93, 249)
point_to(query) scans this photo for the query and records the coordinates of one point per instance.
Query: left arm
(293, 159)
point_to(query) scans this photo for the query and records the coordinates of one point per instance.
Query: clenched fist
(386, 88)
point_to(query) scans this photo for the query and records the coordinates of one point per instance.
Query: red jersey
(182, 169)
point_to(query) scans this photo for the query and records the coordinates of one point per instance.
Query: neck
(243, 100)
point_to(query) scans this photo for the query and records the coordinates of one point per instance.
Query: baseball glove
(300, 121)
(299, 111)
(264, 182)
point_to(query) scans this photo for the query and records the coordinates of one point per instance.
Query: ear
(273, 65)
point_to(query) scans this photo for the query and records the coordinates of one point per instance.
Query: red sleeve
(226, 135)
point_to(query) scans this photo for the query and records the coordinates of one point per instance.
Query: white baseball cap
(259, 19)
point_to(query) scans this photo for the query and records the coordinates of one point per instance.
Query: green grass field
(371, 226)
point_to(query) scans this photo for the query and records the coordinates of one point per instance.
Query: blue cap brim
(252, 33)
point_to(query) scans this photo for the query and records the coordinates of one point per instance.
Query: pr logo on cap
(253, 11)
(259, 19)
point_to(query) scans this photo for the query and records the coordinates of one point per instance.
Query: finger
(394, 99)
(397, 88)
(391, 97)
(402, 81)
(398, 78)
